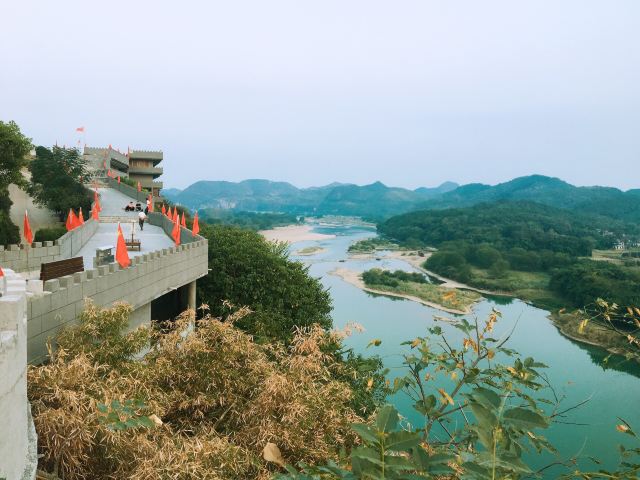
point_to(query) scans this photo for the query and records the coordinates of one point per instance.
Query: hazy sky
(412, 93)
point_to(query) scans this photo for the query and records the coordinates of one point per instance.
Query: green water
(576, 371)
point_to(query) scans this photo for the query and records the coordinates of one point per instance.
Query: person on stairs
(141, 218)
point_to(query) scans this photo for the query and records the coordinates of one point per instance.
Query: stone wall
(21, 259)
(18, 451)
(150, 276)
(130, 191)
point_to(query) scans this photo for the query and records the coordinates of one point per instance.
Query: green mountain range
(372, 201)
(378, 201)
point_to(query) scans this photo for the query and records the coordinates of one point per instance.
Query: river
(575, 370)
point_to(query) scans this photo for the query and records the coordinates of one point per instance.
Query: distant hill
(606, 201)
(378, 201)
(371, 201)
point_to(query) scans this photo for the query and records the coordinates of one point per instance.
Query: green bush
(49, 234)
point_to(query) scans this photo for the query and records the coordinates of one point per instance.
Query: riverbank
(309, 251)
(593, 334)
(293, 234)
(417, 261)
(355, 279)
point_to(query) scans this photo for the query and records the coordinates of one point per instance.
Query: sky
(411, 93)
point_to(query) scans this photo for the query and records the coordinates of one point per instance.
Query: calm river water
(575, 370)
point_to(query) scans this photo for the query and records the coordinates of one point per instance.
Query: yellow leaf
(454, 375)
(271, 453)
(449, 295)
(155, 419)
(415, 343)
(583, 324)
(531, 435)
(445, 397)
(637, 310)
(375, 342)
(490, 354)
(630, 310)
(622, 428)
(369, 383)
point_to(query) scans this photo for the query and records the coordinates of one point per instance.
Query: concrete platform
(151, 238)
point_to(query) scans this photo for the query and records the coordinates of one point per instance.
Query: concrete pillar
(140, 316)
(191, 298)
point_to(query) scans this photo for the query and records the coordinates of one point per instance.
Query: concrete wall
(159, 220)
(150, 276)
(130, 191)
(22, 259)
(18, 452)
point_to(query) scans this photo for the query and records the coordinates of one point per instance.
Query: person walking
(141, 218)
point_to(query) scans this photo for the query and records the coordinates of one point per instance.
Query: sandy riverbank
(309, 251)
(293, 234)
(417, 261)
(355, 279)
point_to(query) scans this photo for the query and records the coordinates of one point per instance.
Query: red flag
(150, 203)
(122, 256)
(81, 217)
(96, 202)
(139, 187)
(183, 222)
(195, 229)
(28, 234)
(95, 213)
(104, 164)
(110, 147)
(76, 221)
(164, 210)
(118, 178)
(71, 220)
(109, 174)
(175, 214)
(1, 273)
(176, 232)
(80, 129)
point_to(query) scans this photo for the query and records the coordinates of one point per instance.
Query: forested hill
(371, 201)
(504, 225)
(606, 201)
(378, 201)
(537, 252)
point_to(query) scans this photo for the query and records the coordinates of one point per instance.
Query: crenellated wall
(18, 451)
(150, 276)
(21, 259)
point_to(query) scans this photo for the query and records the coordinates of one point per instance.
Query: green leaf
(387, 419)
(486, 397)
(365, 432)
(402, 441)
(525, 419)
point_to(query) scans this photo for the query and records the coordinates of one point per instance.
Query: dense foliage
(49, 234)
(57, 177)
(215, 397)
(14, 148)
(250, 271)
(250, 220)
(585, 281)
(517, 247)
(504, 225)
(377, 276)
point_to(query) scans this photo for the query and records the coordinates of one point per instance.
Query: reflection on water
(577, 371)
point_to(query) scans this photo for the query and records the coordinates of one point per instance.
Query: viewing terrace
(159, 283)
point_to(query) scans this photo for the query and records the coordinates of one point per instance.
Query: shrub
(49, 234)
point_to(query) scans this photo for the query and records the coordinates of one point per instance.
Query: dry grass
(221, 398)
